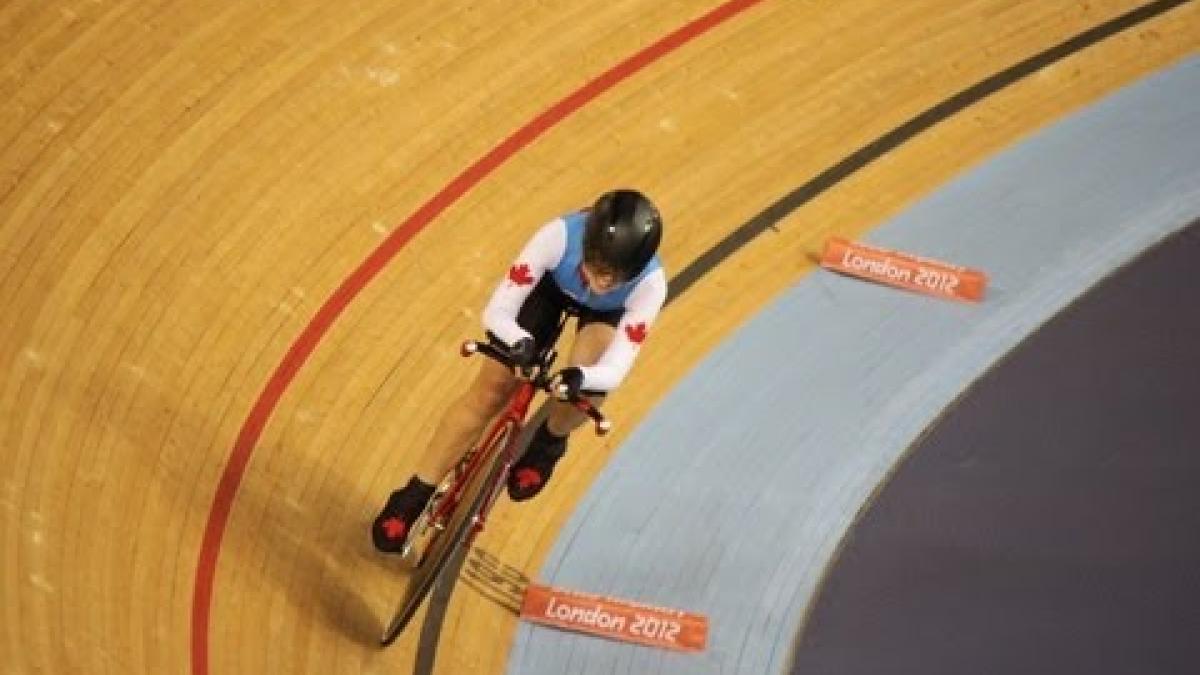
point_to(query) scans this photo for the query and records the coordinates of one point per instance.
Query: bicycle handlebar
(539, 380)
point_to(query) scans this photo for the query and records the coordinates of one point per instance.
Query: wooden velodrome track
(183, 187)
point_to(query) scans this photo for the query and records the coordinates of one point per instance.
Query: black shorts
(545, 306)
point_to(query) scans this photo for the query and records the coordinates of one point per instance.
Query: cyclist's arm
(641, 308)
(542, 253)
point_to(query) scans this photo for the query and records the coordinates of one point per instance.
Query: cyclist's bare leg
(590, 343)
(463, 422)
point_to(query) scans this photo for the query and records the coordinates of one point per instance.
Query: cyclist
(602, 263)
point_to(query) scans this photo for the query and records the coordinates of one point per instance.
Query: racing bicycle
(460, 504)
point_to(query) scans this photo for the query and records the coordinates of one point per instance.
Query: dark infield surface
(1050, 521)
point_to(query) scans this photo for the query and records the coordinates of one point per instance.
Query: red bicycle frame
(511, 420)
(479, 474)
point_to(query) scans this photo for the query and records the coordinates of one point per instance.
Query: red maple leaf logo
(527, 478)
(394, 527)
(636, 334)
(519, 275)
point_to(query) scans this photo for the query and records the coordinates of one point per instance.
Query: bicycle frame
(512, 420)
(490, 459)
(485, 453)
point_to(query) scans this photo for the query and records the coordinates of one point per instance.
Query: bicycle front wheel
(457, 536)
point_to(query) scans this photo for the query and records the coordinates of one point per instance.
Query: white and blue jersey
(570, 281)
(557, 249)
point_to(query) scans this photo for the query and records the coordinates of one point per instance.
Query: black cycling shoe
(531, 473)
(391, 526)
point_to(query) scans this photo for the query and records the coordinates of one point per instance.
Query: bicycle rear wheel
(443, 550)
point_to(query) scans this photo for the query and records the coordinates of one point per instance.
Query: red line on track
(302, 348)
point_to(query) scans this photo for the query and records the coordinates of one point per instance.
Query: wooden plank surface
(182, 185)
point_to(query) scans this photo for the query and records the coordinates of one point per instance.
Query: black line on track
(854, 162)
(770, 217)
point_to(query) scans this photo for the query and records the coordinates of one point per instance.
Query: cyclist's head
(622, 233)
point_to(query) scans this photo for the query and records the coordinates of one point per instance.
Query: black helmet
(622, 233)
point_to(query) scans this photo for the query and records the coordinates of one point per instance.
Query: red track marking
(302, 348)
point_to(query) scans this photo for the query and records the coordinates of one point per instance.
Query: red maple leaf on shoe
(394, 527)
(636, 334)
(519, 275)
(527, 478)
